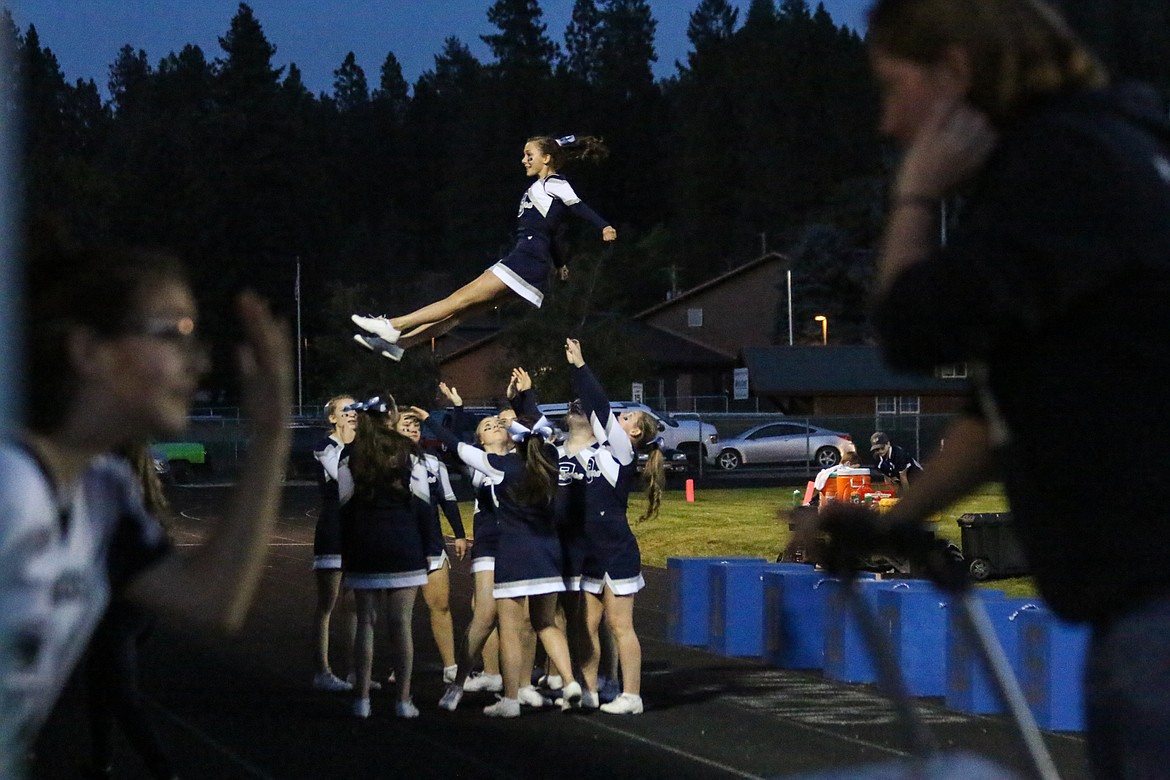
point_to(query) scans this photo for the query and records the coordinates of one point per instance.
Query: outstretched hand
(451, 394)
(522, 379)
(265, 364)
(573, 353)
(609, 233)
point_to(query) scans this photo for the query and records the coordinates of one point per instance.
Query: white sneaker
(328, 681)
(351, 681)
(571, 699)
(530, 696)
(380, 346)
(450, 673)
(361, 708)
(451, 697)
(379, 326)
(405, 709)
(554, 682)
(492, 683)
(626, 704)
(504, 708)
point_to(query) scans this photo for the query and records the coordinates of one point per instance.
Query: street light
(824, 327)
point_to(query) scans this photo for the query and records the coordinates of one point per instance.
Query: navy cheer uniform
(542, 212)
(595, 488)
(327, 536)
(382, 538)
(485, 524)
(528, 561)
(438, 495)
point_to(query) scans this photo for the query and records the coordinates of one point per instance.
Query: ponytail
(654, 480)
(569, 148)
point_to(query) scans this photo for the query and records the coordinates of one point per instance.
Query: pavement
(242, 706)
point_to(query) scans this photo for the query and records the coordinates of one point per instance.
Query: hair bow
(656, 443)
(519, 431)
(373, 406)
(566, 140)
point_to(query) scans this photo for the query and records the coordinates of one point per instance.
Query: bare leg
(399, 612)
(594, 608)
(432, 330)
(619, 614)
(436, 594)
(363, 643)
(328, 587)
(483, 622)
(542, 610)
(511, 613)
(485, 287)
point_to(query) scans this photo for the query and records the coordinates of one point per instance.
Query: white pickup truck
(694, 438)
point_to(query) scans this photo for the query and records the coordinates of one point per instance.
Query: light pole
(824, 327)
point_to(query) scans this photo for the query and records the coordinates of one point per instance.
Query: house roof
(771, 257)
(842, 370)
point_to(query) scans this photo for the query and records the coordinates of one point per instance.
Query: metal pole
(300, 381)
(788, 274)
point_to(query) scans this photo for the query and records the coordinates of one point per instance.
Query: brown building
(697, 339)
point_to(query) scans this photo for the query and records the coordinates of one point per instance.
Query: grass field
(745, 521)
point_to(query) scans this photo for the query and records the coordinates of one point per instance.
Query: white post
(788, 273)
(300, 383)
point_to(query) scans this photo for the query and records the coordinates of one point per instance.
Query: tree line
(382, 194)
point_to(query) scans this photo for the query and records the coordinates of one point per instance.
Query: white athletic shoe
(554, 682)
(571, 698)
(530, 696)
(380, 346)
(328, 681)
(405, 709)
(361, 708)
(451, 697)
(351, 681)
(379, 326)
(492, 683)
(450, 673)
(626, 704)
(504, 708)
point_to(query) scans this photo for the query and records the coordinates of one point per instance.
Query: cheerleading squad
(553, 552)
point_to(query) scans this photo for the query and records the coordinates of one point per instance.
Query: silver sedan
(782, 442)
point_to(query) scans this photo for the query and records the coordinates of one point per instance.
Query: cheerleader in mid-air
(525, 270)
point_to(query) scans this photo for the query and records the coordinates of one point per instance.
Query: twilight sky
(86, 35)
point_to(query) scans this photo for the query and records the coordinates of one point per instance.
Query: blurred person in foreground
(1053, 290)
(112, 356)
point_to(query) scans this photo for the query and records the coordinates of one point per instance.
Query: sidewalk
(243, 708)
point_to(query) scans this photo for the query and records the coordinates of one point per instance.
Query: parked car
(694, 438)
(676, 462)
(185, 458)
(782, 442)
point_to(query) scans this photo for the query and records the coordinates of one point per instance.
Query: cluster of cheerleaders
(553, 550)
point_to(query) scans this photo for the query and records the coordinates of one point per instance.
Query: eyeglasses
(179, 331)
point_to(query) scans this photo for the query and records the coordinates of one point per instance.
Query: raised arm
(471, 456)
(214, 586)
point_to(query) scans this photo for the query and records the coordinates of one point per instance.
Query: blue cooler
(688, 618)
(970, 687)
(917, 620)
(848, 655)
(794, 617)
(736, 608)
(1052, 653)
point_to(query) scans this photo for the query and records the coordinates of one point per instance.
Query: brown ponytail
(569, 148)
(538, 487)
